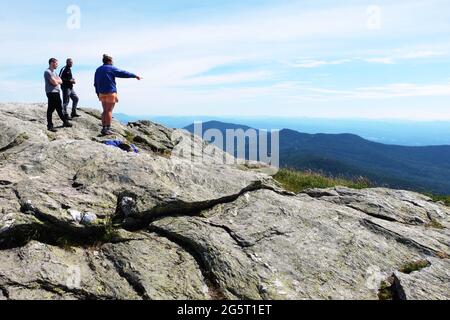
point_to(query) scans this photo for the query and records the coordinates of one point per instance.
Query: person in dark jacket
(106, 89)
(67, 89)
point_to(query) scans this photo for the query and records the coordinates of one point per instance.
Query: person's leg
(105, 109)
(50, 110)
(75, 100)
(107, 117)
(109, 114)
(66, 101)
(105, 106)
(59, 110)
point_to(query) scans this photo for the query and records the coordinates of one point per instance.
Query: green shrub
(386, 290)
(410, 267)
(129, 136)
(297, 181)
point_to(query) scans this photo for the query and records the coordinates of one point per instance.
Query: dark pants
(68, 94)
(54, 103)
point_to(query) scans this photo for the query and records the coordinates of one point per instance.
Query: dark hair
(107, 58)
(52, 60)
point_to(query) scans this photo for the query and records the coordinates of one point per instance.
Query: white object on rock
(89, 218)
(76, 215)
(126, 205)
(6, 226)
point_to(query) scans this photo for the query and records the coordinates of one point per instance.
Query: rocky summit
(183, 220)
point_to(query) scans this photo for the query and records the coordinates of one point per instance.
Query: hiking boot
(107, 132)
(52, 129)
(67, 124)
(75, 115)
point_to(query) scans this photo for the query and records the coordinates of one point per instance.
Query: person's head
(53, 63)
(69, 63)
(107, 59)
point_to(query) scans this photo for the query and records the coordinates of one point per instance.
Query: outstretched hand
(139, 78)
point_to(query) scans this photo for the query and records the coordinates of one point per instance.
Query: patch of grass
(385, 292)
(440, 198)
(297, 181)
(129, 136)
(436, 225)
(410, 267)
(110, 232)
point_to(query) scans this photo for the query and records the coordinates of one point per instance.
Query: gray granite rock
(184, 220)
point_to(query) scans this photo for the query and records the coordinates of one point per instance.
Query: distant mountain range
(424, 169)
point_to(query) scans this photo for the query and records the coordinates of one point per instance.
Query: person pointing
(106, 89)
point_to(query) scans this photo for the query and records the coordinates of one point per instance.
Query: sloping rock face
(183, 220)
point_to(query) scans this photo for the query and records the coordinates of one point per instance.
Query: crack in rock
(399, 292)
(79, 293)
(48, 229)
(131, 279)
(240, 241)
(21, 138)
(181, 208)
(4, 291)
(372, 226)
(374, 215)
(391, 289)
(214, 289)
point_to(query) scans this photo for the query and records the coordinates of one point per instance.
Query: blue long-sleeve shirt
(105, 78)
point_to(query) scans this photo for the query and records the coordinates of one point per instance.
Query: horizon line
(284, 117)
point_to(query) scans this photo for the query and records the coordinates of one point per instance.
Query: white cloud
(385, 60)
(398, 90)
(390, 59)
(231, 78)
(422, 54)
(399, 55)
(395, 90)
(317, 63)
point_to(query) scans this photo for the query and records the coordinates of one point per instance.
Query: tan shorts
(108, 98)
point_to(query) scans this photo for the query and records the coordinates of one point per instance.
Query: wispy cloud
(411, 55)
(382, 60)
(399, 90)
(388, 59)
(317, 63)
(232, 78)
(422, 54)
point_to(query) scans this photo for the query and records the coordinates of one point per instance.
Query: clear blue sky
(321, 58)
